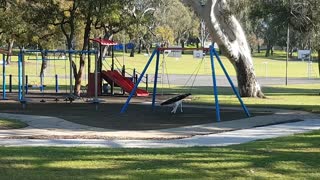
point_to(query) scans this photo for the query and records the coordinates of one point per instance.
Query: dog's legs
(175, 107)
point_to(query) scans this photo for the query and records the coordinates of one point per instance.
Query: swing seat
(175, 99)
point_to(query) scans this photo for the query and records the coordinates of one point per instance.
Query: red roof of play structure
(104, 42)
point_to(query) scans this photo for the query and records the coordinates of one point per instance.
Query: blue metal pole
(125, 106)
(155, 81)
(41, 83)
(23, 72)
(4, 77)
(232, 85)
(26, 84)
(20, 76)
(57, 85)
(215, 89)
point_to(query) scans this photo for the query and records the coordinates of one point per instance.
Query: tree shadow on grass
(287, 91)
(295, 156)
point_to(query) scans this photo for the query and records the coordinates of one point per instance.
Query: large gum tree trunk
(10, 47)
(227, 32)
(78, 75)
(44, 63)
(319, 61)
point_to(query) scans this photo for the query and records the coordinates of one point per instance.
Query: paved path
(51, 131)
(42, 127)
(221, 139)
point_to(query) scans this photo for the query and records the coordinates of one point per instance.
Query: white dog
(175, 107)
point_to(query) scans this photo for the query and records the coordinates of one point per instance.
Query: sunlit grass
(265, 67)
(294, 157)
(282, 158)
(301, 97)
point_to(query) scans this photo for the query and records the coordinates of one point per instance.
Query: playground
(192, 89)
(117, 109)
(114, 110)
(115, 78)
(67, 126)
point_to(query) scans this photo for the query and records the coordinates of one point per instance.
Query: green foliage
(41, 32)
(12, 25)
(177, 17)
(275, 17)
(112, 17)
(165, 34)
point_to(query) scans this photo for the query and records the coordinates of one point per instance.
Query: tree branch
(195, 5)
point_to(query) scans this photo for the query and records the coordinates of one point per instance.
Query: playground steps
(123, 82)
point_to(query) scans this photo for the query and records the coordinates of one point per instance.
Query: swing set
(4, 53)
(48, 70)
(176, 101)
(22, 84)
(193, 76)
(213, 54)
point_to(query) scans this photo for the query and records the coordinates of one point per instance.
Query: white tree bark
(227, 32)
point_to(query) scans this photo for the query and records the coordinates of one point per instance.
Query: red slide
(122, 82)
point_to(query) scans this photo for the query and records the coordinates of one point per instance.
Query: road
(205, 80)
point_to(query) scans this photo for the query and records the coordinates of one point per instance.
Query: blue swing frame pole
(20, 76)
(4, 77)
(231, 83)
(125, 106)
(215, 89)
(155, 81)
(23, 78)
(57, 83)
(21, 70)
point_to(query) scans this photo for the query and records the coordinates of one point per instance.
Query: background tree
(316, 31)
(62, 14)
(75, 18)
(164, 35)
(113, 17)
(12, 25)
(277, 15)
(166, 21)
(40, 34)
(228, 34)
(140, 28)
(172, 14)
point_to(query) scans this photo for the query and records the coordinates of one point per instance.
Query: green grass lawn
(299, 97)
(265, 67)
(270, 67)
(294, 157)
(11, 124)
